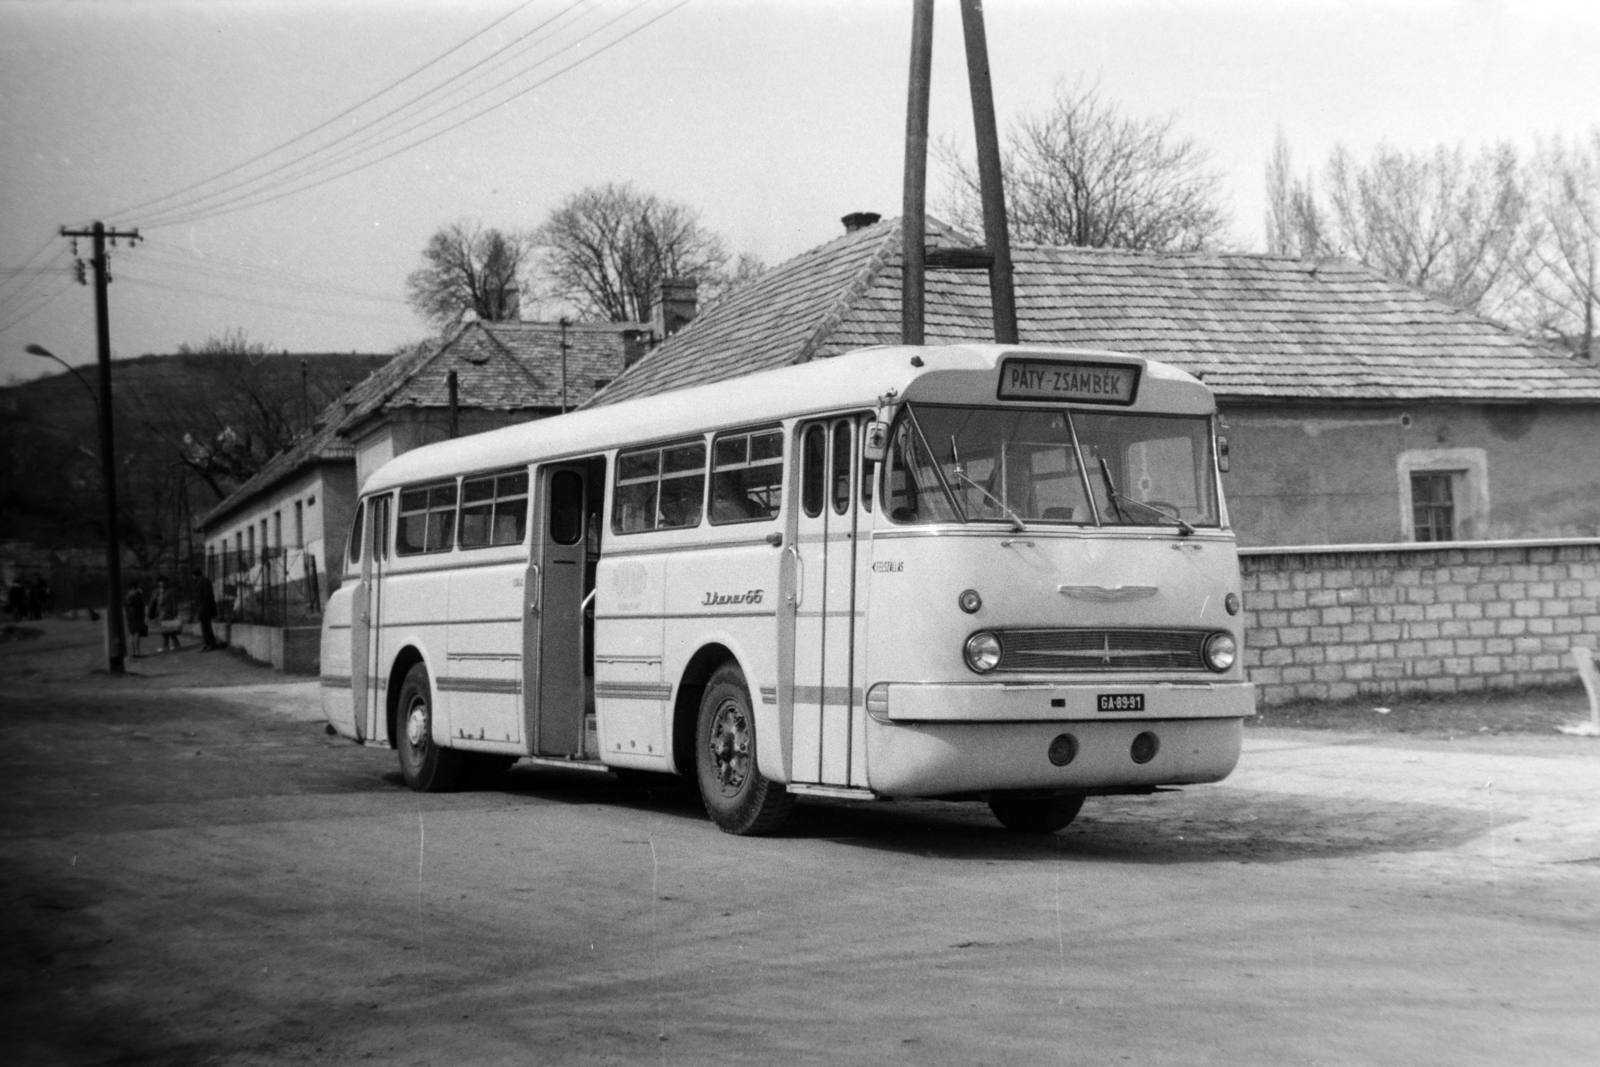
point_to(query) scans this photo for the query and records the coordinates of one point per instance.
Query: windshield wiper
(1117, 500)
(938, 471)
(961, 472)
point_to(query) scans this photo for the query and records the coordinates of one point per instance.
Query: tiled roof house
(303, 499)
(1350, 400)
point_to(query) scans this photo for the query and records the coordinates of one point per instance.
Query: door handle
(798, 593)
(534, 585)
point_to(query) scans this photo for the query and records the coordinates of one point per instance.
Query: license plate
(1121, 702)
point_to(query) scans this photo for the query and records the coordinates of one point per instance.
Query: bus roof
(851, 381)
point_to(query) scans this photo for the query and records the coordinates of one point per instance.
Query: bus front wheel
(427, 766)
(736, 796)
(1035, 814)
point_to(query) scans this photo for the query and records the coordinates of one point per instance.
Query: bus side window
(813, 471)
(427, 519)
(353, 553)
(746, 476)
(660, 488)
(494, 509)
(843, 456)
(380, 527)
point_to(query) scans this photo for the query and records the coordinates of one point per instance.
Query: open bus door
(823, 604)
(557, 644)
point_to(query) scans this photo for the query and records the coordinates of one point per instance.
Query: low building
(286, 527)
(1358, 410)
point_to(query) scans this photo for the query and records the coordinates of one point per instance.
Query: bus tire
(737, 797)
(1035, 815)
(427, 766)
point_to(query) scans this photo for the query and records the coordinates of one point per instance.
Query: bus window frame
(615, 484)
(428, 510)
(494, 501)
(749, 433)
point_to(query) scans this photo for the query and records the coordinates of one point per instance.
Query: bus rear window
(660, 488)
(427, 519)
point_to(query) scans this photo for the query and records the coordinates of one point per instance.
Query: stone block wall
(1347, 621)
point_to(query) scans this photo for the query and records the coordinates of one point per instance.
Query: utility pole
(995, 256)
(913, 215)
(565, 322)
(116, 647)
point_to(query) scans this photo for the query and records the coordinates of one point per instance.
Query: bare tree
(1561, 269)
(1450, 224)
(469, 269)
(607, 248)
(1296, 226)
(1082, 173)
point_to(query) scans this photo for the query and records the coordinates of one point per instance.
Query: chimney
(634, 345)
(675, 307)
(859, 220)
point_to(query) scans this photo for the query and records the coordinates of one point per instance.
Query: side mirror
(875, 443)
(1222, 454)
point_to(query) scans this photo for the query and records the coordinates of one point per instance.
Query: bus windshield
(952, 463)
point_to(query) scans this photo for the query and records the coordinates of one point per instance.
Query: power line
(38, 306)
(146, 283)
(223, 209)
(49, 242)
(274, 277)
(324, 125)
(265, 179)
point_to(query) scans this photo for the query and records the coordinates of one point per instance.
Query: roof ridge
(835, 314)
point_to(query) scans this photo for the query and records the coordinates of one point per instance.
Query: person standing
(133, 609)
(164, 609)
(205, 609)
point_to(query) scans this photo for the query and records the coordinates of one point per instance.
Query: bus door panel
(866, 505)
(360, 627)
(558, 580)
(483, 663)
(371, 708)
(824, 614)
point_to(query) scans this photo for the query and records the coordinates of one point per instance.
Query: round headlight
(970, 601)
(1220, 651)
(983, 651)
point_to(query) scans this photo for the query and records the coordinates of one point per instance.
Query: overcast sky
(772, 118)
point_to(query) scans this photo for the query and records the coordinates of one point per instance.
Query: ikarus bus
(980, 572)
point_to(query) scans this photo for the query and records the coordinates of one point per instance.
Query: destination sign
(1081, 383)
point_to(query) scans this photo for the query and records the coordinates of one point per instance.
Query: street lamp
(115, 647)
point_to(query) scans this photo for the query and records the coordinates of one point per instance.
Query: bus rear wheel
(1035, 814)
(736, 796)
(428, 767)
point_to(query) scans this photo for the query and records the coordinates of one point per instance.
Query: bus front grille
(1100, 651)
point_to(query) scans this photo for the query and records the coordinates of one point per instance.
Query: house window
(1444, 494)
(1433, 506)
(277, 529)
(299, 525)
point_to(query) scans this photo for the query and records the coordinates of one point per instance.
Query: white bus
(971, 572)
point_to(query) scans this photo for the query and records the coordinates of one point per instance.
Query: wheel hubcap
(730, 747)
(417, 725)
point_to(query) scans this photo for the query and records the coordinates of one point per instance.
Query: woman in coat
(133, 615)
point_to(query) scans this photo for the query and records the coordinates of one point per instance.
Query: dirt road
(192, 872)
